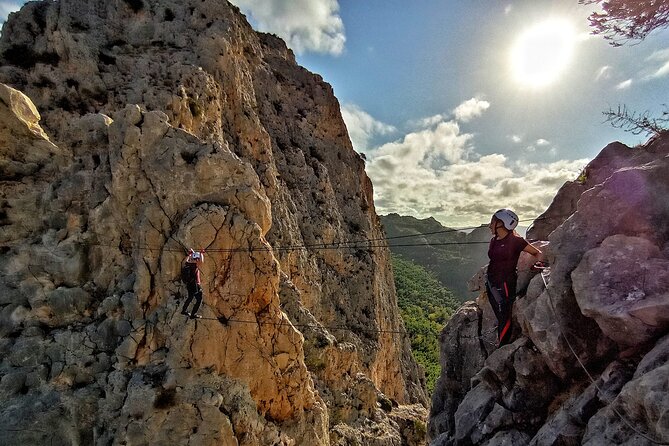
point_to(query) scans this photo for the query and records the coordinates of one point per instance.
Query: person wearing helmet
(190, 275)
(504, 250)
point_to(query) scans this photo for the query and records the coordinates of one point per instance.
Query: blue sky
(428, 93)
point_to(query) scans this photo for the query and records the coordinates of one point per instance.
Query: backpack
(189, 273)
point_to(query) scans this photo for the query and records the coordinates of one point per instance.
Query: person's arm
(534, 251)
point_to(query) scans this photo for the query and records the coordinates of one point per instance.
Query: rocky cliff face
(165, 125)
(607, 299)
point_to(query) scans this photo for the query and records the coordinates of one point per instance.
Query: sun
(543, 52)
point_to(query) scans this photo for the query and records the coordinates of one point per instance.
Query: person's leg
(198, 301)
(191, 294)
(495, 298)
(505, 320)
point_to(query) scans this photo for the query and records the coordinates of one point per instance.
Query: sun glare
(542, 53)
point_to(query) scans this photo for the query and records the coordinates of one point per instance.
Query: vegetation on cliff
(425, 305)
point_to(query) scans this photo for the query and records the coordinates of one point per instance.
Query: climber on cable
(190, 276)
(504, 250)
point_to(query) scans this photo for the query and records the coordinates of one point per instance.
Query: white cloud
(603, 73)
(8, 7)
(428, 148)
(508, 9)
(530, 147)
(624, 85)
(662, 57)
(465, 112)
(470, 109)
(662, 71)
(428, 122)
(362, 127)
(436, 172)
(305, 25)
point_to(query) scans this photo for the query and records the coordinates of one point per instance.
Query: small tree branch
(638, 123)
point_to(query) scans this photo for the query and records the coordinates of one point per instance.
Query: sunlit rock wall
(167, 125)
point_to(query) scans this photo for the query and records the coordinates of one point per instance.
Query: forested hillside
(452, 255)
(425, 305)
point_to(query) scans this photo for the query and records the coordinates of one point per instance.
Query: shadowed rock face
(606, 295)
(165, 125)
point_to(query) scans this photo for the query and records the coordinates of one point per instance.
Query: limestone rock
(613, 157)
(657, 356)
(567, 424)
(473, 410)
(525, 262)
(477, 281)
(174, 125)
(411, 421)
(643, 403)
(462, 355)
(508, 438)
(635, 312)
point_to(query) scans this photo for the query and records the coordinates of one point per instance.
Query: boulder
(637, 415)
(624, 286)
(462, 354)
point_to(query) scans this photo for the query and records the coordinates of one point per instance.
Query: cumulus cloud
(305, 25)
(516, 138)
(437, 172)
(428, 148)
(470, 109)
(624, 85)
(362, 127)
(465, 112)
(8, 7)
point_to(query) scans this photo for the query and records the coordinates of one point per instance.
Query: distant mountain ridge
(453, 255)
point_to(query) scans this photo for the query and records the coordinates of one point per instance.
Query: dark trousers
(501, 298)
(194, 292)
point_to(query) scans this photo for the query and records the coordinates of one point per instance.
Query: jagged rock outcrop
(165, 125)
(607, 240)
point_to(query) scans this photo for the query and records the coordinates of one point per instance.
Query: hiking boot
(195, 316)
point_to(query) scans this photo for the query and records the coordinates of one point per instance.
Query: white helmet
(508, 218)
